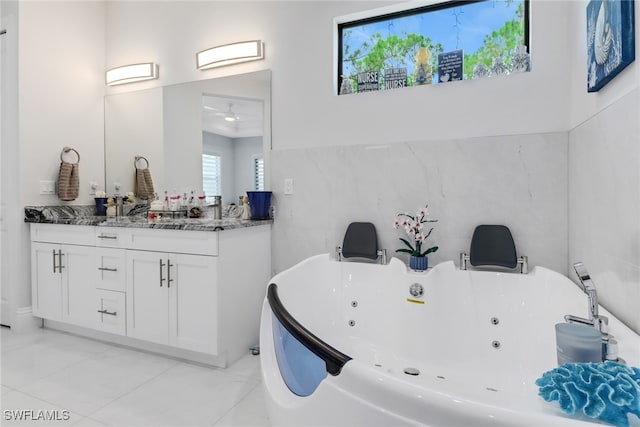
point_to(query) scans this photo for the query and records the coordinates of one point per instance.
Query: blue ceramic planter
(101, 206)
(260, 202)
(418, 263)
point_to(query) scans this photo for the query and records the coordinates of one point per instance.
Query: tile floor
(82, 382)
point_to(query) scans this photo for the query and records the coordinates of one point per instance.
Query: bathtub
(477, 339)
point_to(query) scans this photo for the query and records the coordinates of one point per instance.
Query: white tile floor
(83, 382)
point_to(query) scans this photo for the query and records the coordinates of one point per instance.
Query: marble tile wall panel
(604, 204)
(519, 181)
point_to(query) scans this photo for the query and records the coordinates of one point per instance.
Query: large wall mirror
(211, 136)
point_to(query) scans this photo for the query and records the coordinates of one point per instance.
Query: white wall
(61, 90)
(53, 98)
(246, 150)
(11, 215)
(528, 103)
(519, 181)
(237, 162)
(136, 124)
(222, 146)
(303, 67)
(508, 133)
(604, 178)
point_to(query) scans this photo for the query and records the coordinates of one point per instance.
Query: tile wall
(604, 204)
(519, 181)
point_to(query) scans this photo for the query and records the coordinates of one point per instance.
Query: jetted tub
(478, 339)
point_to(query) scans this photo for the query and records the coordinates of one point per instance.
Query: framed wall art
(610, 40)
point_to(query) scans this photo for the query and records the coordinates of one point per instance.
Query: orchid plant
(414, 226)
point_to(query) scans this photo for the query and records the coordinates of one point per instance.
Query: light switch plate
(288, 186)
(47, 187)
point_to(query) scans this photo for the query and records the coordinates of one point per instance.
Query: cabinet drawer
(110, 312)
(112, 237)
(176, 241)
(110, 268)
(63, 234)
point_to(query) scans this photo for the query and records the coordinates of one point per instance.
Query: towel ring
(66, 150)
(135, 162)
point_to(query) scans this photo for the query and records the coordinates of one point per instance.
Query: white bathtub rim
(628, 340)
(357, 381)
(525, 408)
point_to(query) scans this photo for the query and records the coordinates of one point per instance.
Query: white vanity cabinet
(190, 294)
(172, 299)
(61, 284)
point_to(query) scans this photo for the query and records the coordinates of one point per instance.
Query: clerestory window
(443, 42)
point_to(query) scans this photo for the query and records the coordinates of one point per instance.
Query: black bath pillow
(493, 245)
(360, 241)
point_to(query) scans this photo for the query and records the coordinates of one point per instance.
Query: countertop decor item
(414, 226)
(259, 203)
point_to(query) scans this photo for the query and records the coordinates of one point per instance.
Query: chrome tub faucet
(586, 284)
(600, 323)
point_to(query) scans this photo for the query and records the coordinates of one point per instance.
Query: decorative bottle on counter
(246, 210)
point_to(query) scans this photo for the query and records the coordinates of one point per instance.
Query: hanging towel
(144, 184)
(68, 177)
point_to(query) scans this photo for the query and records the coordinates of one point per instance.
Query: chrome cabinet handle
(103, 236)
(107, 269)
(60, 266)
(110, 313)
(54, 260)
(169, 265)
(162, 279)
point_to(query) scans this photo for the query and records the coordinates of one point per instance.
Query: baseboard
(23, 320)
(219, 361)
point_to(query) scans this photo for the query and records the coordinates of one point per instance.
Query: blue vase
(259, 202)
(101, 206)
(418, 263)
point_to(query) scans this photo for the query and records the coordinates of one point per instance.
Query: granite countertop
(84, 215)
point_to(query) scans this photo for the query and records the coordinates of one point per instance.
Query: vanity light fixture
(131, 73)
(228, 54)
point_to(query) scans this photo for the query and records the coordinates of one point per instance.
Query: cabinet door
(46, 281)
(193, 309)
(78, 287)
(147, 296)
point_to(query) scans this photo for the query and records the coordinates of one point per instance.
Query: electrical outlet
(47, 187)
(93, 186)
(288, 186)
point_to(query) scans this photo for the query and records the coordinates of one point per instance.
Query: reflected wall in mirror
(171, 126)
(232, 155)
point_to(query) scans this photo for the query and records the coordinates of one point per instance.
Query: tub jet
(411, 371)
